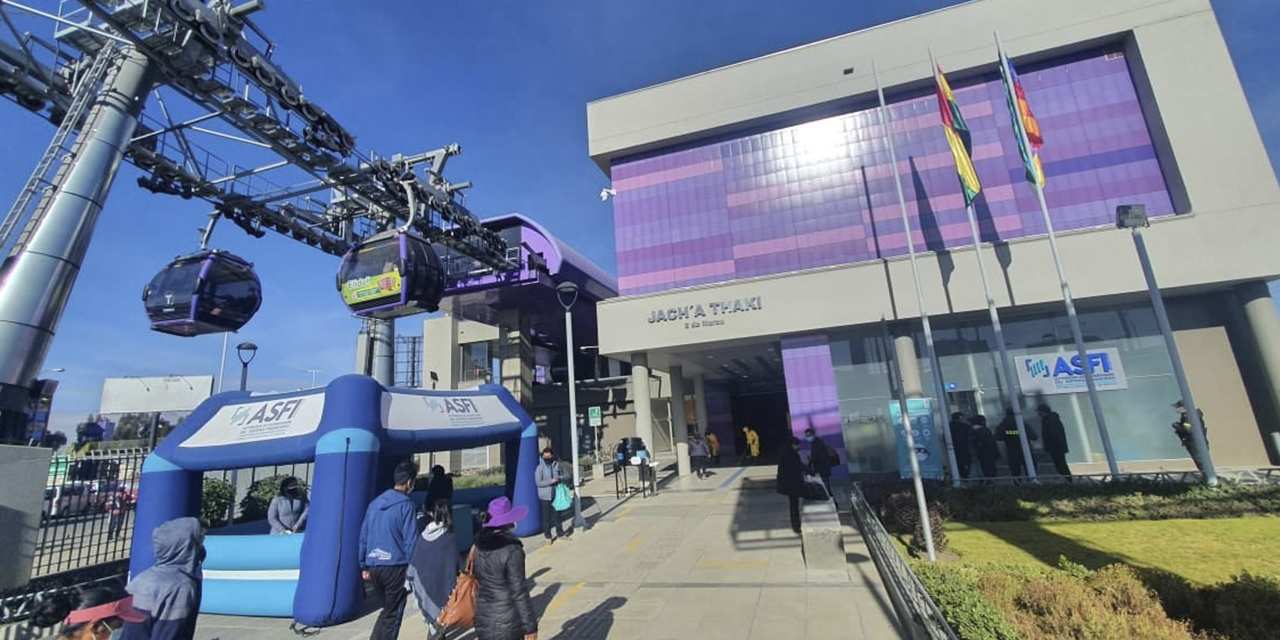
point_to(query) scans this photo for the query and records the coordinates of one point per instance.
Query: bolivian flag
(1024, 122)
(958, 138)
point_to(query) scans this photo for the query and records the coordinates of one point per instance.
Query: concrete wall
(1178, 57)
(23, 472)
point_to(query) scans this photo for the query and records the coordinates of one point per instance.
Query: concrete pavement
(709, 559)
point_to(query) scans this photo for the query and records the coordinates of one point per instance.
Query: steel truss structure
(204, 75)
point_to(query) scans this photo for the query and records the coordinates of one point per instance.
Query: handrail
(918, 616)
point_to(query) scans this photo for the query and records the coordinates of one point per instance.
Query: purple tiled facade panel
(822, 193)
(720, 416)
(811, 393)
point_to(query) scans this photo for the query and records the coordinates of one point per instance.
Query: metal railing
(86, 515)
(918, 615)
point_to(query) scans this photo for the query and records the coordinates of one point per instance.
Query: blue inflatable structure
(355, 430)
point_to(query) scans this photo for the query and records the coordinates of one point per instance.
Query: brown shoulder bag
(460, 610)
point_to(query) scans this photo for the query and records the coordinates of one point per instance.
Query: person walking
(287, 512)
(791, 479)
(713, 443)
(822, 458)
(433, 570)
(168, 594)
(439, 486)
(117, 507)
(984, 447)
(1008, 430)
(1055, 439)
(87, 615)
(753, 446)
(548, 476)
(698, 454)
(1182, 428)
(387, 539)
(503, 608)
(960, 440)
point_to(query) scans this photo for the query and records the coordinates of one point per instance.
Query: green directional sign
(594, 417)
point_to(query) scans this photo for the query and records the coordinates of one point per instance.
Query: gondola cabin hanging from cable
(390, 275)
(208, 291)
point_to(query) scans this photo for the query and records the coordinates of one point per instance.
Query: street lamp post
(246, 351)
(567, 294)
(1134, 218)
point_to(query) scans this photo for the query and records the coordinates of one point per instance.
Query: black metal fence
(87, 511)
(918, 615)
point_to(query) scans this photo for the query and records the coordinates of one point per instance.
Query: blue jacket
(389, 531)
(169, 592)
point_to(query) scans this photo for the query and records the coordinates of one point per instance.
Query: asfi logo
(1039, 367)
(266, 412)
(452, 406)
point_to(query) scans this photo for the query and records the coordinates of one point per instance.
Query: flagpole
(1067, 300)
(1006, 364)
(930, 352)
(926, 526)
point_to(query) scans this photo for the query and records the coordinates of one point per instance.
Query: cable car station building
(760, 242)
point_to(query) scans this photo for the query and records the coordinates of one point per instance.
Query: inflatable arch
(355, 430)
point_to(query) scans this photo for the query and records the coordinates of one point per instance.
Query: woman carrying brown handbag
(503, 610)
(433, 570)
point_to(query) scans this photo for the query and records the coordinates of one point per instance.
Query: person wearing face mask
(387, 539)
(95, 614)
(547, 476)
(288, 511)
(821, 459)
(168, 594)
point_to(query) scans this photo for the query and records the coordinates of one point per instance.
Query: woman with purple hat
(503, 610)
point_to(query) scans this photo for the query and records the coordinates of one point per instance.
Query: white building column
(679, 421)
(909, 366)
(700, 402)
(643, 397)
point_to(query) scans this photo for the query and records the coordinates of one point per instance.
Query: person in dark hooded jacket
(168, 593)
(433, 571)
(387, 538)
(791, 479)
(503, 609)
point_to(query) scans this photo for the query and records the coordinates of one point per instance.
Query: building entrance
(768, 414)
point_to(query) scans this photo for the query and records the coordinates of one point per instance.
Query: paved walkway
(707, 559)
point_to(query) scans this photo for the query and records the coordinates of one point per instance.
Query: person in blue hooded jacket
(387, 538)
(168, 593)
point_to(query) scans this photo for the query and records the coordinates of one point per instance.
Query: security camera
(605, 193)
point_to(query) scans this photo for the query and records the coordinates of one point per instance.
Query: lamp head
(246, 351)
(567, 292)
(1132, 216)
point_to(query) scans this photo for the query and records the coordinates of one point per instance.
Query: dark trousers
(1060, 463)
(963, 461)
(115, 525)
(988, 464)
(1013, 448)
(550, 518)
(699, 465)
(795, 512)
(389, 593)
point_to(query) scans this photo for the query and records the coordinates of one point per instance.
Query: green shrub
(253, 506)
(1247, 608)
(216, 497)
(488, 478)
(971, 615)
(988, 602)
(1123, 500)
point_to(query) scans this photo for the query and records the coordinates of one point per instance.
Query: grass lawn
(1202, 551)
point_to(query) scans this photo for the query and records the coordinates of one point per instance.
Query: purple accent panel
(811, 393)
(720, 416)
(822, 193)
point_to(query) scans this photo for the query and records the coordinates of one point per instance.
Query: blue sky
(507, 80)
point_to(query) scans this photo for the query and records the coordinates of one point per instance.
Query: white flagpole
(926, 527)
(1006, 364)
(1067, 300)
(940, 390)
